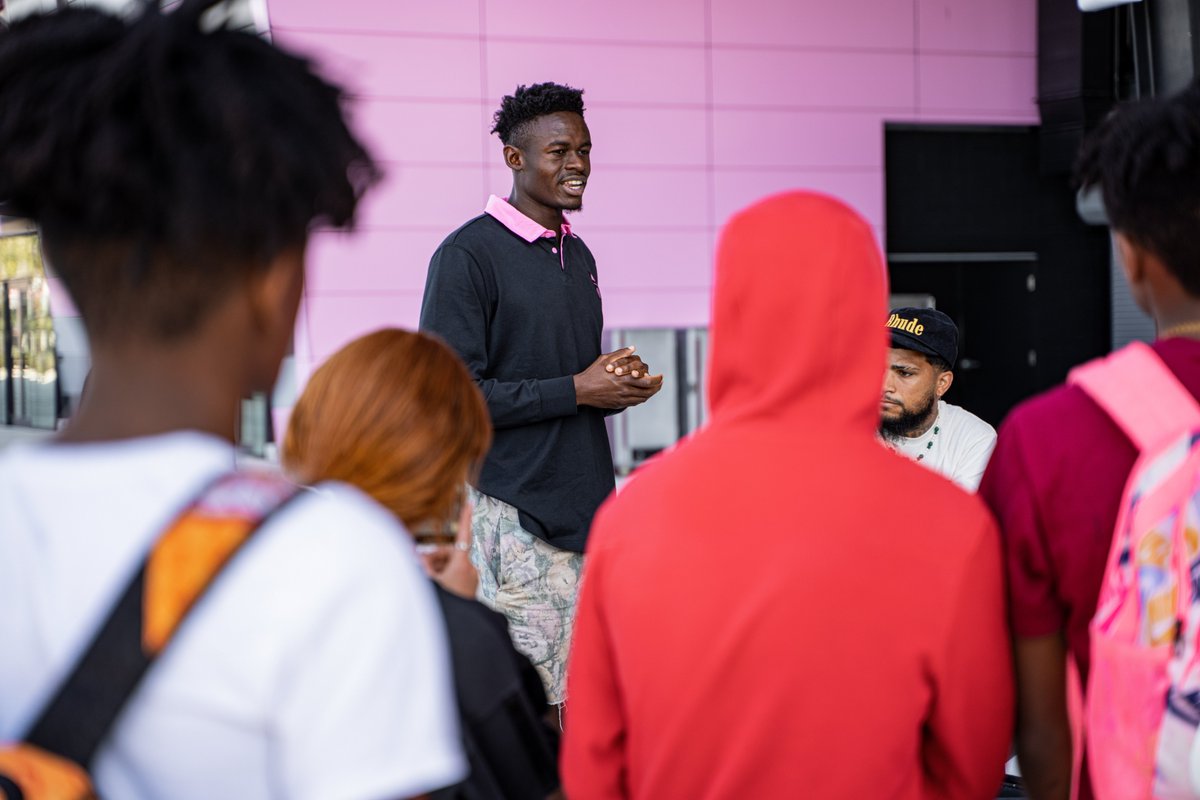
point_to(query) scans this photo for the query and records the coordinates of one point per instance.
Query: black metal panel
(1076, 60)
(972, 220)
(1171, 38)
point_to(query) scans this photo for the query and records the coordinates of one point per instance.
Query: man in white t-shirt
(175, 172)
(916, 420)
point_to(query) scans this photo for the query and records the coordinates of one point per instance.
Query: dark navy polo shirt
(524, 312)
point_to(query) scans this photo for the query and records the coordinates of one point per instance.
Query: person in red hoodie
(780, 606)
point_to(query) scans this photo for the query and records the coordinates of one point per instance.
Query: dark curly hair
(528, 103)
(162, 162)
(1145, 159)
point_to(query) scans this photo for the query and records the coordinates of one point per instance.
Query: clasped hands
(616, 380)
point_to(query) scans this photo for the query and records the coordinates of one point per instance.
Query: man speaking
(516, 293)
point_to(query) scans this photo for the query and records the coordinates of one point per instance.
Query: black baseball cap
(925, 330)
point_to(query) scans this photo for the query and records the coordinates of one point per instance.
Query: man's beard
(909, 421)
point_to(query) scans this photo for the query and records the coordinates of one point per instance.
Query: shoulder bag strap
(1140, 393)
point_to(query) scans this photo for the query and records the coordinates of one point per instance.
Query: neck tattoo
(929, 445)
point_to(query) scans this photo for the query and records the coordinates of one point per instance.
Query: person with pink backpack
(1096, 486)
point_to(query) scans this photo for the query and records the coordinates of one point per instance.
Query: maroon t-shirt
(1054, 483)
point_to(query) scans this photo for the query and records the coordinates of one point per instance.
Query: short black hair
(1145, 159)
(528, 103)
(938, 363)
(163, 162)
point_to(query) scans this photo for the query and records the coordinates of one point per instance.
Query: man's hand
(616, 380)
(450, 565)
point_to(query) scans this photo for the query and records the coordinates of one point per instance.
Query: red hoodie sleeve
(970, 726)
(593, 750)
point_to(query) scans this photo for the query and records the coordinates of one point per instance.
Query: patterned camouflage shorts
(533, 584)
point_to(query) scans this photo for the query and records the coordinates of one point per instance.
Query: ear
(514, 159)
(1134, 263)
(1133, 259)
(273, 293)
(942, 385)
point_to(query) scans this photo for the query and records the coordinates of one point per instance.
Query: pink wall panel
(333, 321)
(454, 17)
(668, 259)
(368, 262)
(616, 20)
(609, 73)
(416, 194)
(394, 66)
(664, 308)
(403, 130)
(978, 26)
(855, 24)
(696, 108)
(648, 136)
(491, 146)
(1004, 84)
(499, 183)
(863, 190)
(797, 138)
(810, 79)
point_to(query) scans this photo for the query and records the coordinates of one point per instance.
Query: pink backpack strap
(1140, 393)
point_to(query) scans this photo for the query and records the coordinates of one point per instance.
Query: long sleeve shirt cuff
(558, 397)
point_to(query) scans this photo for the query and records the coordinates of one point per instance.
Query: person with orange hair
(396, 414)
(389, 413)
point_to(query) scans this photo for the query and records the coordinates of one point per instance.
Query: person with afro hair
(1061, 462)
(516, 293)
(174, 171)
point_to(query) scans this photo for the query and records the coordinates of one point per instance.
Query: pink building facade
(696, 107)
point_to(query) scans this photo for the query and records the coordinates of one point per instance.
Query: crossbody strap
(184, 562)
(1140, 393)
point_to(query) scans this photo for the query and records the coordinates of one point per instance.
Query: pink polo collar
(529, 230)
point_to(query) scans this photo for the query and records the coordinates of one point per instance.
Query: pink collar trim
(529, 230)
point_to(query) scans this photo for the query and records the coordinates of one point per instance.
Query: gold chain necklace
(1182, 329)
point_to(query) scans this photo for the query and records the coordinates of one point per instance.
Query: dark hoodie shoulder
(512, 752)
(487, 668)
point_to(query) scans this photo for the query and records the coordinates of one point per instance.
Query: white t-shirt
(315, 667)
(957, 445)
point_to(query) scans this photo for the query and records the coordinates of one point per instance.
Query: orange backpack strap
(29, 773)
(183, 563)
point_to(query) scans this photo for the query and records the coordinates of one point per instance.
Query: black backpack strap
(223, 516)
(9, 789)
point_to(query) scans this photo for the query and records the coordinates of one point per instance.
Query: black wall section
(1077, 55)
(1087, 61)
(1194, 23)
(1171, 37)
(972, 220)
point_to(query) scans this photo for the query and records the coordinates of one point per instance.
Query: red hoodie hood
(754, 601)
(813, 345)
